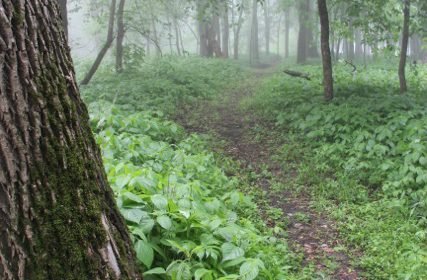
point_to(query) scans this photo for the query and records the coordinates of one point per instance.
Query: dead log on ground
(297, 74)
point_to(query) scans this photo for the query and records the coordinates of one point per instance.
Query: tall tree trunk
(404, 48)
(155, 36)
(236, 30)
(105, 48)
(311, 38)
(279, 25)
(337, 52)
(350, 42)
(225, 32)
(120, 36)
(287, 31)
(205, 28)
(254, 46)
(58, 216)
(267, 32)
(64, 15)
(181, 40)
(216, 35)
(303, 31)
(358, 43)
(326, 52)
(177, 41)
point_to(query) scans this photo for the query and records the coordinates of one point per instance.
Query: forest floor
(310, 232)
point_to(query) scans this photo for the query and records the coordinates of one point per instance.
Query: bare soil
(316, 236)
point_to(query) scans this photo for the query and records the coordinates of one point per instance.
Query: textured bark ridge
(58, 218)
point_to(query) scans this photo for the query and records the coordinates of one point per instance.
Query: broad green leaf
(165, 222)
(230, 251)
(160, 201)
(157, 270)
(133, 215)
(144, 252)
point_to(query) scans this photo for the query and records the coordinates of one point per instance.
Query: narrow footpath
(314, 234)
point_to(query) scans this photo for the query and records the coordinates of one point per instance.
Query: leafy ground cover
(187, 218)
(362, 158)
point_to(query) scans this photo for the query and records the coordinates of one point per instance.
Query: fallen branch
(351, 64)
(297, 74)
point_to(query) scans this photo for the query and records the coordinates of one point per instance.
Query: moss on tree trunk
(58, 218)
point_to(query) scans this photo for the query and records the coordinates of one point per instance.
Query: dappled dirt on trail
(315, 236)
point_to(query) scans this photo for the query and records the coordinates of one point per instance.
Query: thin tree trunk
(337, 52)
(303, 31)
(358, 41)
(105, 48)
(267, 26)
(287, 31)
(278, 35)
(120, 36)
(404, 48)
(64, 15)
(237, 35)
(58, 216)
(326, 52)
(225, 32)
(254, 46)
(312, 50)
(181, 40)
(177, 42)
(350, 42)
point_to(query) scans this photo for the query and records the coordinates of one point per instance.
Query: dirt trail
(308, 231)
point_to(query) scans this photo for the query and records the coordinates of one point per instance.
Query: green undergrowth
(363, 157)
(164, 84)
(187, 218)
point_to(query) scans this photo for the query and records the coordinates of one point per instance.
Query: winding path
(308, 231)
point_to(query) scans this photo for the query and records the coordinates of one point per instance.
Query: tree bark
(287, 31)
(254, 46)
(404, 48)
(267, 32)
(177, 41)
(105, 48)
(64, 15)
(303, 31)
(350, 42)
(236, 31)
(358, 44)
(225, 32)
(326, 52)
(120, 36)
(312, 50)
(338, 49)
(58, 216)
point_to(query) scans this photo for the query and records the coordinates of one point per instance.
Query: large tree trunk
(326, 51)
(303, 31)
(120, 36)
(64, 15)
(254, 46)
(58, 217)
(105, 48)
(225, 32)
(404, 48)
